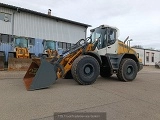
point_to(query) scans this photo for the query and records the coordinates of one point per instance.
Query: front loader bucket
(19, 64)
(40, 75)
(1, 65)
(2, 60)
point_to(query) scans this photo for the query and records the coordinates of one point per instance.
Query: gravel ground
(136, 100)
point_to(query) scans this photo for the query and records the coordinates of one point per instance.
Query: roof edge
(42, 14)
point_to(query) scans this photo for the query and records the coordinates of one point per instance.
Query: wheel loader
(19, 58)
(100, 54)
(49, 49)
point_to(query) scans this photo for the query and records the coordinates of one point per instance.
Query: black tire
(127, 70)
(85, 70)
(40, 55)
(44, 56)
(105, 72)
(68, 75)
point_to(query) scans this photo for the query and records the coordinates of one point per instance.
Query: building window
(60, 45)
(5, 17)
(4, 38)
(152, 57)
(72, 44)
(147, 56)
(138, 55)
(31, 41)
(64, 45)
(68, 45)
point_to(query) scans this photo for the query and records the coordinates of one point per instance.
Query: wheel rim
(130, 70)
(88, 69)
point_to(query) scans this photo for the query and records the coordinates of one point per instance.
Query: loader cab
(107, 39)
(49, 44)
(49, 48)
(21, 42)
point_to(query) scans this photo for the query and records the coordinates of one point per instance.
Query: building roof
(42, 14)
(146, 49)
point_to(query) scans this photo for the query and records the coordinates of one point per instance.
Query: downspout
(13, 23)
(144, 57)
(85, 32)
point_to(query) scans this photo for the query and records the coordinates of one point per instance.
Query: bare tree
(151, 48)
(137, 46)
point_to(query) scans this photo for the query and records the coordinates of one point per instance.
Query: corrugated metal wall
(38, 48)
(5, 47)
(29, 25)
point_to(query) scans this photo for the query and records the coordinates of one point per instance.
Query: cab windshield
(21, 42)
(100, 35)
(97, 33)
(50, 45)
(105, 36)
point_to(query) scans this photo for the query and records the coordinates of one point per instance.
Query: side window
(100, 42)
(138, 55)
(147, 56)
(2, 16)
(4, 38)
(68, 45)
(5, 17)
(152, 57)
(60, 44)
(64, 45)
(111, 36)
(31, 41)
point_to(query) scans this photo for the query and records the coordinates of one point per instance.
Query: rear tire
(127, 70)
(105, 72)
(85, 70)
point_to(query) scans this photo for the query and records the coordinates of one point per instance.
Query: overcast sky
(139, 19)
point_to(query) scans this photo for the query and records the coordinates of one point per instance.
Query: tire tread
(120, 71)
(74, 69)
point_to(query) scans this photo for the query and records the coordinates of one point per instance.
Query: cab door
(101, 47)
(112, 43)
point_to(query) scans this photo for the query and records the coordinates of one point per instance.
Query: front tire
(127, 70)
(85, 70)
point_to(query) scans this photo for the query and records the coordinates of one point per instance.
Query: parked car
(157, 64)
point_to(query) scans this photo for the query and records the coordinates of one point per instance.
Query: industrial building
(148, 56)
(36, 26)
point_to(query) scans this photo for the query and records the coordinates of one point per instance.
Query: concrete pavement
(136, 100)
